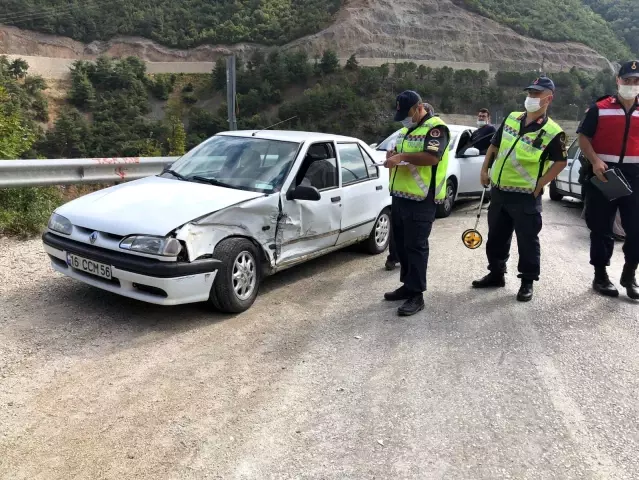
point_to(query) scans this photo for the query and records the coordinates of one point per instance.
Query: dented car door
(309, 226)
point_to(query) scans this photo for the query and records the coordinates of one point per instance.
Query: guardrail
(39, 173)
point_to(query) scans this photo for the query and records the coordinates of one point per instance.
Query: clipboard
(616, 187)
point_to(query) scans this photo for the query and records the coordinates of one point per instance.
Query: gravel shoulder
(320, 379)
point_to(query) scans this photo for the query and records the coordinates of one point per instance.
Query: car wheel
(445, 209)
(554, 192)
(238, 280)
(380, 235)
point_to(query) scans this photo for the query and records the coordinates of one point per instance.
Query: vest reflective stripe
(518, 166)
(612, 124)
(412, 181)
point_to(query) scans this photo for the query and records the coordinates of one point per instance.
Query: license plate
(89, 266)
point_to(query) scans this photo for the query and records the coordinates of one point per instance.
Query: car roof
(290, 135)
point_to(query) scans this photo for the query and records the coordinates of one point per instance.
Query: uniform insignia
(634, 65)
(433, 148)
(433, 143)
(435, 133)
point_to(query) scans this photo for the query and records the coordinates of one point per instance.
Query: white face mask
(628, 92)
(532, 104)
(408, 122)
(481, 123)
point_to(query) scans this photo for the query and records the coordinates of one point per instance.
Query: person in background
(609, 138)
(481, 137)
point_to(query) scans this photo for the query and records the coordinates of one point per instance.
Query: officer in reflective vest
(609, 137)
(417, 183)
(523, 149)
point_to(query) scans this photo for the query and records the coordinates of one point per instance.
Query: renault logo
(93, 237)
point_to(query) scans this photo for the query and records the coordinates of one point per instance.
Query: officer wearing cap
(418, 166)
(523, 149)
(609, 137)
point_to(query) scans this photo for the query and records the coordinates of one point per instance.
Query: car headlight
(60, 224)
(168, 247)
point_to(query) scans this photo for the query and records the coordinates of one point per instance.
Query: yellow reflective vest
(518, 165)
(412, 181)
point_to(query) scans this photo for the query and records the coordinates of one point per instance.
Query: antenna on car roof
(275, 125)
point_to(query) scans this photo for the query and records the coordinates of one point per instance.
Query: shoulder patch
(435, 133)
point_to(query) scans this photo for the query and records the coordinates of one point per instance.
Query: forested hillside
(622, 16)
(567, 20)
(184, 23)
(611, 31)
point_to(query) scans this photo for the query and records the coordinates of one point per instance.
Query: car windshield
(244, 163)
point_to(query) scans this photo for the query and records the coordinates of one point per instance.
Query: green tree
(329, 63)
(219, 75)
(177, 137)
(351, 63)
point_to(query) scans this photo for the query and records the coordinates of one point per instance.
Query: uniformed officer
(392, 259)
(522, 150)
(609, 137)
(417, 183)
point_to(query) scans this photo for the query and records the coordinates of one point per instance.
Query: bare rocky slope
(435, 30)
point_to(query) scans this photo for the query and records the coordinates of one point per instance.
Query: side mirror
(303, 192)
(471, 152)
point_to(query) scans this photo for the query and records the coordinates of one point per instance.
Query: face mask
(481, 123)
(408, 122)
(628, 91)
(532, 104)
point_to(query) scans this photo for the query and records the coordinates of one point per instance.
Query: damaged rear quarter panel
(255, 219)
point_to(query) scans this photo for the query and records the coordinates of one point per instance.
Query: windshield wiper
(212, 181)
(175, 174)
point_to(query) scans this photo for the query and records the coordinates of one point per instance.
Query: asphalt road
(320, 379)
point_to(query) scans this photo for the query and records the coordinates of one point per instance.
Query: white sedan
(567, 182)
(239, 206)
(464, 166)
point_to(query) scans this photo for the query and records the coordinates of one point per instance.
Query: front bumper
(141, 278)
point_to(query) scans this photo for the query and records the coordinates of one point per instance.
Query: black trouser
(412, 224)
(520, 213)
(600, 217)
(392, 248)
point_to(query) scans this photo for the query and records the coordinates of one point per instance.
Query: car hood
(152, 205)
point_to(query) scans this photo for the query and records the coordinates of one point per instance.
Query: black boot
(390, 265)
(411, 306)
(629, 281)
(602, 283)
(400, 294)
(490, 280)
(525, 293)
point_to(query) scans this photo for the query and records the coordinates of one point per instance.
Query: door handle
(336, 199)
(378, 187)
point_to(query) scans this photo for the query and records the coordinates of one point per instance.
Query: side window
(572, 151)
(373, 171)
(352, 163)
(319, 167)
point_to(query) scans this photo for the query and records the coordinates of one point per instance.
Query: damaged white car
(239, 206)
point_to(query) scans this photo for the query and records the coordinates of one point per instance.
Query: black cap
(629, 69)
(541, 83)
(405, 101)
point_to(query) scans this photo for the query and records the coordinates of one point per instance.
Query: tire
(446, 208)
(239, 257)
(554, 193)
(379, 237)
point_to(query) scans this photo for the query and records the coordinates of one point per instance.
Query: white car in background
(567, 182)
(464, 166)
(239, 206)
